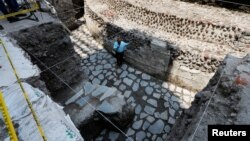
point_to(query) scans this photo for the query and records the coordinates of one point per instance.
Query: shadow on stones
(141, 54)
(92, 127)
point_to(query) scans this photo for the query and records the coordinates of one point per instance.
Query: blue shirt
(121, 48)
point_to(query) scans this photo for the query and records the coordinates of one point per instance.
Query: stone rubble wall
(199, 30)
(189, 62)
(216, 1)
(205, 63)
(140, 47)
(201, 60)
(239, 5)
(198, 62)
(137, 55)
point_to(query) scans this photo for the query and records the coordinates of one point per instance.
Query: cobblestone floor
(157, 103)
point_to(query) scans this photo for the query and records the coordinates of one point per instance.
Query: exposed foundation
(173, 53)
(188, 49)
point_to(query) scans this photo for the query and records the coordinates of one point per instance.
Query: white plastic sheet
(56, 125)
(23, 65)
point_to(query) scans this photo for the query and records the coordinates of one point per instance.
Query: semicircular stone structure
(173, 40)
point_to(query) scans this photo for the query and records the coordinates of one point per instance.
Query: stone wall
(200, 30)
(204, 63)
(192, 58)
(150, 58)
(136, 50)
(216, 1)
(139, 49)
(230, 4)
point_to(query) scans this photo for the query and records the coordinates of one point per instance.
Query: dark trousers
(119, 58)
(12, 4)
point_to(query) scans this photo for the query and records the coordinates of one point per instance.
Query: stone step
(88, 88)
(110, 92)
(74, 98)
(98, 91)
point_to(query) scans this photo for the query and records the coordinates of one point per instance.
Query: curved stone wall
(140, 46)
(190, 60)
(200, 30)
(204, 63)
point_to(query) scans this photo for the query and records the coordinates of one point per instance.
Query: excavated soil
(69, 11)
(51, 44)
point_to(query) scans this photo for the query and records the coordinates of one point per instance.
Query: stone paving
(157, 104)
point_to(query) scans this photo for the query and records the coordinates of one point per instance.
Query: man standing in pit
(119, 47)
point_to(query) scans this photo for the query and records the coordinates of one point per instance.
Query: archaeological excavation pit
(186, 66)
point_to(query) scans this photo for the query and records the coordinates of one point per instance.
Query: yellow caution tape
(36, 7)
(25, 94)
(7, 119)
